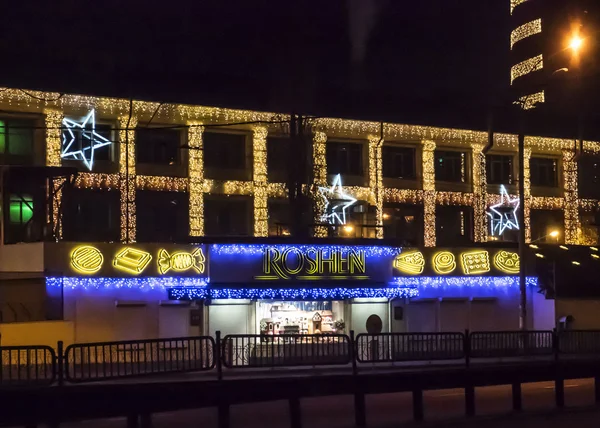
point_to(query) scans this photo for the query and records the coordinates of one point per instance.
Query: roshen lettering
(313, 263)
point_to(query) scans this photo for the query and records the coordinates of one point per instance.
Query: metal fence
(581, 342)
(27, 365)
(391, 347)
(248, 350)
(86, 362)
(500, 344)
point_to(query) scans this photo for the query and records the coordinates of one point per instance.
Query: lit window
(20, 209)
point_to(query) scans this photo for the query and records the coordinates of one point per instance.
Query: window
(224, 151)
(277, 158)
(279, 217)
(544, 222)
(589, 177)
(84, 140)
(451, 166)
(454, 225)
(16, 137)
(544, 172)
(20, 209)
(499, 169)
(158, 146)
(227, 216)
(399, 162)
(403, 222)
(344, 158)
(162, 216)
(92, 215)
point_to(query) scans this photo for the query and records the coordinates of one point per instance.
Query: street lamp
(552, 234)
(575, 43)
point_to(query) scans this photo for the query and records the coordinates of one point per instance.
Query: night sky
(441, 61)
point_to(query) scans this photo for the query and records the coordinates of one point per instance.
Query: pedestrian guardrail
(501, 344)
(89, 362)
(27, 365)
(248, 350)
(390, 347)
(86, 362)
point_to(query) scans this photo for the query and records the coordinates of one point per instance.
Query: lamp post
(575, 44)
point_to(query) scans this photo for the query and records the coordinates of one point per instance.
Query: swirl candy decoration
(444, 262)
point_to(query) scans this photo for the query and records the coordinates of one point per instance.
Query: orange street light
(576, 43)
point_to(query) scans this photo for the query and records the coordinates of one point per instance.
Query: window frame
(534, 165)
(397, 147)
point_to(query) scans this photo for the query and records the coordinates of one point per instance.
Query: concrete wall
(585, 313)
(37, 333)
(22, 257)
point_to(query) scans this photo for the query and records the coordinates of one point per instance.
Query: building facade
(149, 173)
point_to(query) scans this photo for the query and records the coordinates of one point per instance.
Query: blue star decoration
(338, 200)
(500, 221)
(87, 129)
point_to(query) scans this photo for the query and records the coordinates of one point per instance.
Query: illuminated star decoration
(69, 140)
(500, 221)
(339, 200)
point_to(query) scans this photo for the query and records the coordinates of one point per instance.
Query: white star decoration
(502, 221)
(69, 139)
(341, 201)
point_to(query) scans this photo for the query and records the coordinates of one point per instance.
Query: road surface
(442, 408)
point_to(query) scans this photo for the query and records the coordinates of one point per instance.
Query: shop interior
(276, 317)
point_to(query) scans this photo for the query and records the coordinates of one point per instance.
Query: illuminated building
(423, 188)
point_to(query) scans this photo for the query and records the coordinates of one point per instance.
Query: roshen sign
(313, 264)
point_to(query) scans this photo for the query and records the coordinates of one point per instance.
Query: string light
(449, 282)
(54, 106)
(338, 293)
(515, 3)
(528, 102)
(525, 67)
(144, 283)
(526, 30)
(429, 192)
(527, 191)
(261, 216)
(259, 249)
(127, 177)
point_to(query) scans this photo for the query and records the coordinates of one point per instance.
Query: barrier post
(218, 355)
(60, 363)
(353, 353)
(467, 347)
(555, 344)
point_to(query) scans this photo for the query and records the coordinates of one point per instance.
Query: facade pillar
(480, 222)
(319, 180)
(53, 122)
(429, 192)
(376, 181)
(261, 215)
(196, 178)
(127, 181)
(571, 194)
(527, 192)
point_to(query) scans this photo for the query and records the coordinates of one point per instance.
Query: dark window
(82, 140)
(158, 146)
(544, 222)
(589, 177)
(399, 162)
(279, 218)
(499, 169)
(16, 137)
(224, 151)
(227, 216)
(162, 216)
(451, 166)
(278, 157)
(92, 215)
(454, 225)
(544, 172)
(344, 158)
(20, 209)
(404, 223)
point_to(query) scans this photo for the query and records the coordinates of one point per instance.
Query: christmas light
(137, 283)
(571, 192)
(527, 102)
(191, 293)
(515, 3)
(259, 249)
(342, 201)
(87, 129)
(319, 180)
(525, 67)
(196, 174)
(450, 282)
(501, 221)
(429, 192)
(261, 216)
(526, 30)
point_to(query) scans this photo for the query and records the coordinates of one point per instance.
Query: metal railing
(27, 365)
(581, 342)
(500, 344)
(253, 350)
(409, 347)
(86, 362)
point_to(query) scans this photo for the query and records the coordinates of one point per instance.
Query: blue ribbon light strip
(192, 293)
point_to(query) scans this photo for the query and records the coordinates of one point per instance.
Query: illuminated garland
(127, 177)
(196, 174)
(192, 293)
(259, 249)
(429, 195)
(527, 102)
(319, 180)
(527, 191)
(515, 3)
(480, 194)
(525, 67)
(571, 192)
(445, 282)
(261, 216)
(526, 30)
(376, 180)
(147, 283)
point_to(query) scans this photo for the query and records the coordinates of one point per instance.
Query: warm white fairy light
(429, 192)
(525, 67)
(526, 30)
(127, 172)
(527, 102)
(376, 180)
(261, 217)
(515, 3)
(527, 191)
(319, 179)
(55, 107)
